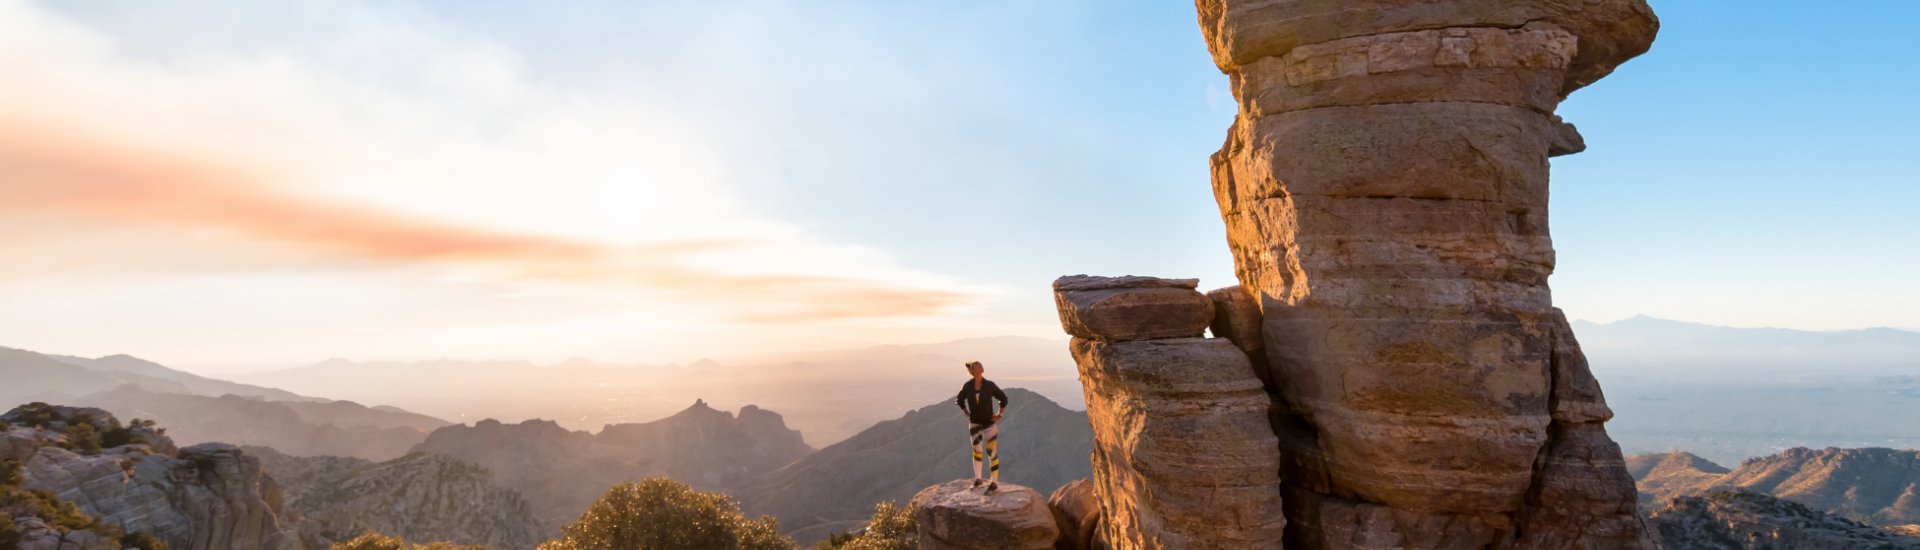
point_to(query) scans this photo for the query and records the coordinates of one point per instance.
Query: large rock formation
(418, 497)
(1384, 188)
(203, 497)
(1184, 455)
(957, 516)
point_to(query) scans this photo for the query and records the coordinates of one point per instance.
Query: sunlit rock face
(1384, 188)
(1184, 455)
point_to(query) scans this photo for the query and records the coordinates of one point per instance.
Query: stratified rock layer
(958, 516)
(1384, 188)
(1184, 455)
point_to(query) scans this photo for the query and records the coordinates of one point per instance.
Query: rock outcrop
(957, 516)
(1184, 455)
(1733, 519)
(203, 497)
(1076, 511)
(418, 497)
(1384, 189)
(1875, 486)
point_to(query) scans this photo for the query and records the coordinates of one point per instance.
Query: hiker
(983, 423)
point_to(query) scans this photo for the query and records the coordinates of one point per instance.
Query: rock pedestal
(957, 516)
(1384, 188)
(1184, 455)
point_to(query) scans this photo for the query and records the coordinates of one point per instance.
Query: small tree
(83, 438)
(659, 513)
(892, 527)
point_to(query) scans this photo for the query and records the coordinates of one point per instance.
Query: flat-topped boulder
(957, 516)
(1119, 309)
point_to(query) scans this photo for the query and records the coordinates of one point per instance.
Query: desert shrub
(143, 541)
(377, 541)
(83, 438)
(35, 414)
(10, 476)
(4, 426)
(891, 528)
(659, 513)
(9, 535)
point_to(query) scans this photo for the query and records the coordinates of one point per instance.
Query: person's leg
(973, 432)
(993, 452)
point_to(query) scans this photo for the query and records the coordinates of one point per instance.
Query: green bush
(143, 541)
(659, 513)
(35, 414)
(891, 528)
(9, 535)
(10, 476)
(376, 541)
(83, 438)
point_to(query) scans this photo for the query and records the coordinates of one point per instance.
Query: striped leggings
(986, 445)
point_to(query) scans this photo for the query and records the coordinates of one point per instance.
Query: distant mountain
(418, 497)
(561, 472)
(1041, 445)
(300, 428)
(827, 395)
(1639, 343)
(1735, 519)
(1874, 486)
(1662, 476)
(136, 370)
(199, 409)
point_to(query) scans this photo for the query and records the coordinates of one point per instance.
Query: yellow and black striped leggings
(986, 445)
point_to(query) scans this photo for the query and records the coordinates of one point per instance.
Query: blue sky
(710, 173)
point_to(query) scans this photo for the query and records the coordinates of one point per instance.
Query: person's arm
(1002, 397)
(961, 399)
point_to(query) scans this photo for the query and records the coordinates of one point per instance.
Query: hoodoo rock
(1184, 455)
(958, 516)
(1384, 188)
(1395, 353)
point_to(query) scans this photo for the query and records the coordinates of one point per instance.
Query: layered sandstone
(1184, 455)
(1384, 188)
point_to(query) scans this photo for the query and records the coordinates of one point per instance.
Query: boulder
(1131, 308)
(1076, 510)
(956, 516)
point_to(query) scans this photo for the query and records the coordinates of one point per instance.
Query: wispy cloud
(442, 156)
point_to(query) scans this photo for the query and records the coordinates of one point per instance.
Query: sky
(235, 185)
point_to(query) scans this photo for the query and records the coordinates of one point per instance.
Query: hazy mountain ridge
(561, 471)
(827, 395)
(196, 411)
(1041, 445)
(419, 497)
(1875, 486)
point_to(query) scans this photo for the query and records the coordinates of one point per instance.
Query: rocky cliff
(418, 497)
(1384, 192)
(208, 496)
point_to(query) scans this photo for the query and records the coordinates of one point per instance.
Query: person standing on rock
(983, 423)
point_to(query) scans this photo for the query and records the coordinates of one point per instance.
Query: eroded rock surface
(958, 516)
(1384, 188)
(1184, 454)
(1076, 510)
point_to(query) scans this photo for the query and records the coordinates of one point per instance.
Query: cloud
(440, 154)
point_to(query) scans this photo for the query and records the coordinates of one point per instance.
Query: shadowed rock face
(1384, 188)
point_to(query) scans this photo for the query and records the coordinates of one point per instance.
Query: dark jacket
(978, 403)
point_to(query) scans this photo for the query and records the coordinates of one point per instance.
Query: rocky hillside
(1733, 519)
(1662, 476)
(418, 497)
(134, 479)
(1041, 445)
(1875, 486)
(560, 471)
